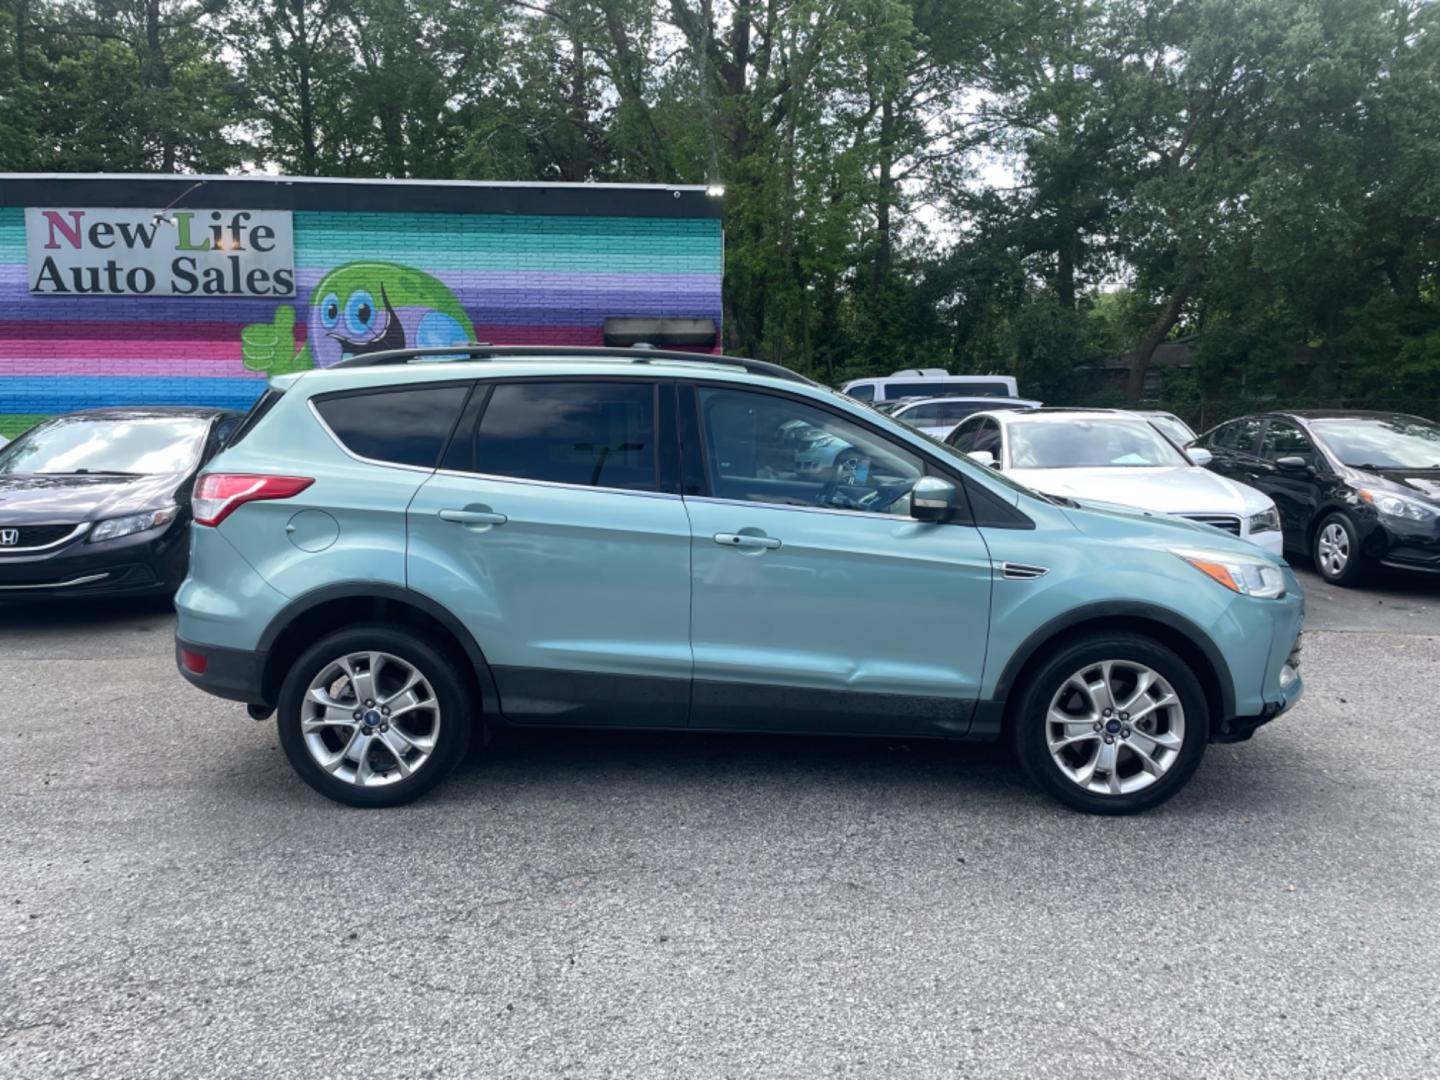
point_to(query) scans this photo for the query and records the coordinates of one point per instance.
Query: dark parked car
(1354, 489)
(99, 501)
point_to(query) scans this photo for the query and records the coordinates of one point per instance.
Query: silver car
(1108, 455)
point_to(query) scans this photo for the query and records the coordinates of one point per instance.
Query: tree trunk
(22, 24)
(629, 83)
(1065, 270)
(887, 193)
(157, 77)
(1163, 324)
(309, 154)
(579, 166)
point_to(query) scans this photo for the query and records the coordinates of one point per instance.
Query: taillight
(218, 495)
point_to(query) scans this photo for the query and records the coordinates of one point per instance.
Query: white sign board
(210, 253)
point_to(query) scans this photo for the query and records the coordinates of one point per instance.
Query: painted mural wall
(364, 281)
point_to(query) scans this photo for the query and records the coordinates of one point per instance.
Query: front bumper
(138, 564)
(1406, 545)
(1289, 688)
(1272, 540)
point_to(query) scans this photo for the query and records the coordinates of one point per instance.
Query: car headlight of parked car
(1400, 506)
(132, 523)
(1265, 521)
(1249, 577)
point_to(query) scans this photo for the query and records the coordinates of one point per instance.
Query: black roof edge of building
(155, 190)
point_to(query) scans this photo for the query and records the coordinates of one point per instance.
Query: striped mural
(378, 277)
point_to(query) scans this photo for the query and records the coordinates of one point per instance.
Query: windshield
(82, 444)
(1089, 443)
(1401, 443)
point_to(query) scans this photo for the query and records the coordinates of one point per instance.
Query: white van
(929, 382)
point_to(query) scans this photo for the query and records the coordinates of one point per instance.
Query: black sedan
(99, 501)
(1354, 489)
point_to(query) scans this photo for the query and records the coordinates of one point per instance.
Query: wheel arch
(1174, 631)
(306, 617)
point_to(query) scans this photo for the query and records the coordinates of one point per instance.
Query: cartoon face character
(368, 307)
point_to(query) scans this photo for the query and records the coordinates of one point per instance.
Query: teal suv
(401, 548)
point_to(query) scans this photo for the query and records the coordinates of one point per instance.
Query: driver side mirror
(1292, 463)
(983, 457)
(1198, 455)
(932, 499)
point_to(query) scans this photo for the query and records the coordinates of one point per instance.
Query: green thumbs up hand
(270, 346)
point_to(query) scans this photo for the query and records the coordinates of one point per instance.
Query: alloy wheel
(1115, 727)
(370, 719)
(1332, 549)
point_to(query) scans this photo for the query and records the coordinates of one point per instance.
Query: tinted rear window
(405, 426)
(937, 387)
(597, 434)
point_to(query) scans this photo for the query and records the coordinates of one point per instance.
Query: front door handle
(473, 517)
(745, 540)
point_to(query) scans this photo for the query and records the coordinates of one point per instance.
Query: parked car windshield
(1081, 443)
(80, 444)
(1401, 443)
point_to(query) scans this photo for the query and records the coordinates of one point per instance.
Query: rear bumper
(233, 674)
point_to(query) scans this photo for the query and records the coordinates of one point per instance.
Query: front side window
(1077, 443)
(919, 414)
(963, 437)
(591, 433)
(141, 445)
(1238, 435)
(407, 425)
(864, 392)
(1286, 440)
(987, 438)
(768, 449)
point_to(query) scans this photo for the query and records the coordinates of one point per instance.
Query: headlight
(1265, 521)
(1400, 506)
(134, 523)
(1249, 577)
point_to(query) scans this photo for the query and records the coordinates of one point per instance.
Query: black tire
(1029, 721)
(1355, 568)
(450, 695)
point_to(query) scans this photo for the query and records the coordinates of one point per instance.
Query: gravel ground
(173, 903)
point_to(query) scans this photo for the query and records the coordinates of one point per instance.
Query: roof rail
(641, 355)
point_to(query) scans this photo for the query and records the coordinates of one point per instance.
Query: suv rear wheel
(1112, 724)
(373, 716)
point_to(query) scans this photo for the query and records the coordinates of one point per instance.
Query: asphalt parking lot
(177, 904)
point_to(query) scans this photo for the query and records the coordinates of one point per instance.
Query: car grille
(33, 536)
(1229, 522)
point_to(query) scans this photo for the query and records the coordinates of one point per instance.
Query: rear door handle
(743, 540)
(473, 517)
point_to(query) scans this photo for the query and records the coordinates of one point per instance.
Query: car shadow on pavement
(96, 613)
(681, 760)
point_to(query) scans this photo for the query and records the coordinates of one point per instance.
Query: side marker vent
(1015, 571)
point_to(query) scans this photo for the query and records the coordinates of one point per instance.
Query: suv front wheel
(373, 716)
(1112, 724)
